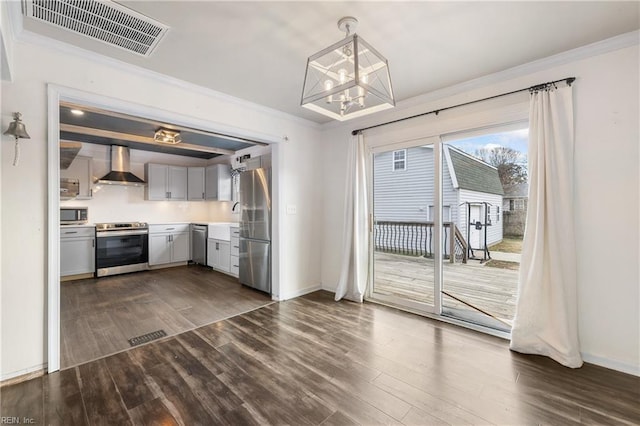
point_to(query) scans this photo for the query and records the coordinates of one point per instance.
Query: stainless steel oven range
(121, 248)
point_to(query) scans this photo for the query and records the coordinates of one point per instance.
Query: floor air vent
(101, 20)
(135, 341)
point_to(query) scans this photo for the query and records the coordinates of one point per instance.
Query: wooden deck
(491, 289)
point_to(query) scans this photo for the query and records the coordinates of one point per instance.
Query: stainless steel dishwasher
(199, 244)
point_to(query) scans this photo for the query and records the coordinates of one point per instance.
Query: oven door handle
(121, 233)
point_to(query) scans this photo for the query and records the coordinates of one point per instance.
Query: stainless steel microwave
(73, 215)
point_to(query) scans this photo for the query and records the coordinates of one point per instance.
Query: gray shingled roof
(475, 175)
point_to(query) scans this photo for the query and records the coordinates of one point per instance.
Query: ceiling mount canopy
(347, 79)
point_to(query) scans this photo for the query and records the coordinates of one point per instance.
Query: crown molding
(23, 36)
(584, 52)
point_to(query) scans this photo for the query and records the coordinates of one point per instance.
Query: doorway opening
(56, 267)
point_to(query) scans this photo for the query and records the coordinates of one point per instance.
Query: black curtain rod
(568, 80)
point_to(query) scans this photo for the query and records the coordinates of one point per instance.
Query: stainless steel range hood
(120, 165)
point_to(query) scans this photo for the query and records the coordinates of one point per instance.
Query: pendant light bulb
(328, 85)
(342, 75)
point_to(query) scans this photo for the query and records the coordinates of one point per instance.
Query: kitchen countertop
(196, 222)
(92, 225)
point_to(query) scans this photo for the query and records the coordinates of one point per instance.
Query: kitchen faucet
(233, 209)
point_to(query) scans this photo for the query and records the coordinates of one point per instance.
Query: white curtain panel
(546, 320)
(355, 262)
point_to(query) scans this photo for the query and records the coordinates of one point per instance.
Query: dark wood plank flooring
(312, 361)
(99, 316)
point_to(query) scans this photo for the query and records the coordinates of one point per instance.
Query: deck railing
(418, 238)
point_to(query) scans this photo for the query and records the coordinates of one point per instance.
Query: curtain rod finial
(570, 80)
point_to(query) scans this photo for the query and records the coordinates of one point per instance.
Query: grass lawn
(508, 245)
(503, 264)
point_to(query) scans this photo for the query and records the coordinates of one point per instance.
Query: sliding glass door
(489, 169)
(448, 219)
(404, 194)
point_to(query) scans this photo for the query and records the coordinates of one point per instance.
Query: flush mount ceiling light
(171, 137)
(347, 79)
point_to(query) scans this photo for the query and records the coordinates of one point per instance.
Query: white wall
(24, 188)
(606, 176)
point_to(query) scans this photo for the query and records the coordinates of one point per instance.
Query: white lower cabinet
(168, 244)
(77, 250)
(218, 252)
(234, 258)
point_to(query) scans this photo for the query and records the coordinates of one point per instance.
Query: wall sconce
(17, 130)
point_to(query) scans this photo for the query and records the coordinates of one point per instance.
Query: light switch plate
(292, 209)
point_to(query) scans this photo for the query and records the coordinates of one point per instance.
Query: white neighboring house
(404, 191)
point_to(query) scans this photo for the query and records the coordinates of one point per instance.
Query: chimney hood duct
(120, 165)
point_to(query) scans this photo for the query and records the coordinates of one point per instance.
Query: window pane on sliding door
(403, 230)
(485, 178)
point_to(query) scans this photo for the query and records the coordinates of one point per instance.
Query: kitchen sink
(221, 230)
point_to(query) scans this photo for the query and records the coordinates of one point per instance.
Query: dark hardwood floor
(312, 361)
(100, 315)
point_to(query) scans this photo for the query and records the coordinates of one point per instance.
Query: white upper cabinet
(218, 182)
(195, 184)
(80, 169)
(177, 183)
(165, 182)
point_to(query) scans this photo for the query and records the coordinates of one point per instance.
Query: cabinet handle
(236, 247)
(169, 229)
(71, 232)
(217, 246)
(169, 194)
(91, 192)
(203, 195)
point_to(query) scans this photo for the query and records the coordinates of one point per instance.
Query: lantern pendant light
(347, 79)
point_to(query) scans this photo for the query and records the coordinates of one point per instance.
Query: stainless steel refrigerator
(255, 229)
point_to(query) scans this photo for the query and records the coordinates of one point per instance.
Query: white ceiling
(258, 50)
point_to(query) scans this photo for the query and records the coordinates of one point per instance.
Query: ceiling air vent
(101, 20)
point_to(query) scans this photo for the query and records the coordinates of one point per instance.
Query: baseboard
(298, 293)
(22, 375)
(166, 265)
(611, 364)
(76, 277)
